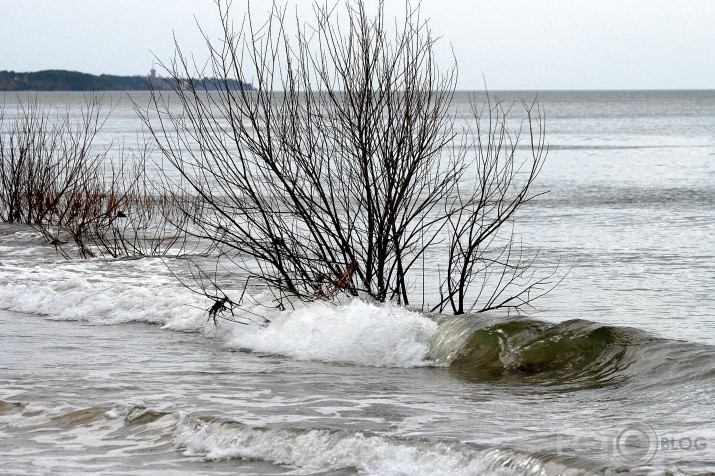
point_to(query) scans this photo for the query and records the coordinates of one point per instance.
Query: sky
(507, 44)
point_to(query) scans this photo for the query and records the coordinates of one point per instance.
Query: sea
(111, 366)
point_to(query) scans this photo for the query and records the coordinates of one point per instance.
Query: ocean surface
(111, 366)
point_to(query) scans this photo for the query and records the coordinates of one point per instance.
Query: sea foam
(319, 450)
(107, 292)
(102, 293)
(356, 332)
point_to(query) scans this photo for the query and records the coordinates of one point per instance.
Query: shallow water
(111, 366)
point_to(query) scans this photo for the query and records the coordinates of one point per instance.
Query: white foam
(309, 451)
(324, 450)
(355, 332)
(80, 292)
(105, 292)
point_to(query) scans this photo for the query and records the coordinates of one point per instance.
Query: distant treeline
(60, 80)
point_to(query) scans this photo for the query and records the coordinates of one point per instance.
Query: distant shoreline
(61, 80)
(72, 81)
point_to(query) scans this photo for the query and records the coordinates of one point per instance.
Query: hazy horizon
(512, 45)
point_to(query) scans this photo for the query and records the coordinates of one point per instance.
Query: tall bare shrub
(342, 166)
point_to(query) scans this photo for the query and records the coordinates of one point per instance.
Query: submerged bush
(340, 172)
(344, 168)
(53, 178)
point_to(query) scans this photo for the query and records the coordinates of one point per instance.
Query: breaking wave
(574, 352)
(138, 429)
(478, 347)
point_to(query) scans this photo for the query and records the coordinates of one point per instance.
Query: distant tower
(152, 72)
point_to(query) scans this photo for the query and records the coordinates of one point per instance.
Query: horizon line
(456, 90)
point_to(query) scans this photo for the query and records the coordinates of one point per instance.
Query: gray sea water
(110, 366)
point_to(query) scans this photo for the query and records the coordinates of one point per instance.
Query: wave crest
(575, 352)
(354, 332)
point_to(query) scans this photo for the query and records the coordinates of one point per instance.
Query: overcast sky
(513, 44)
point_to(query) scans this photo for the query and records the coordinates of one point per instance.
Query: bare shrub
(323, 182)
(44, 157)
(487, 267)
(344, 166)
(53, 178)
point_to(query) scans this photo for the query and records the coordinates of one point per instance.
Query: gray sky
(514, 44)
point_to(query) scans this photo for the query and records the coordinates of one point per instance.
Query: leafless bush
(51, 177)
(344, 165)
(44, 157)
(487, 267)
